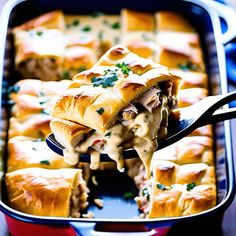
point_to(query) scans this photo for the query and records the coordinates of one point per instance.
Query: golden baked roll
(42, 192)
(172, 21)
(98, 31)
(188, 97)
(77, 59)
(38, 53)
(118, 91)
(126, 102)
(168, 173)
(35, 126)
(194, 149)
(138, 32)
(180, 200)
(24, 152)
(191, 79)
(37, 88)
(184, 53)
(50, 20)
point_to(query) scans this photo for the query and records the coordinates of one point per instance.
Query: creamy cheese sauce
(71, 157)
(94, 160)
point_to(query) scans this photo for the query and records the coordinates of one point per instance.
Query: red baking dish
(117, 215)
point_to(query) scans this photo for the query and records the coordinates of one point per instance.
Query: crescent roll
(50, 20)
(37, 154)
(125, 99)
(38, 53)
(43, 192)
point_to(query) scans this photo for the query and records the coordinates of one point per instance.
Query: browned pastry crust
(81, 104)
(36, 126)
(50, 20)
(25, 152)
(45, 192)
(172, 21)
(194, 149)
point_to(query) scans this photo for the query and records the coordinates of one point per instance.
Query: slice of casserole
(125, 100)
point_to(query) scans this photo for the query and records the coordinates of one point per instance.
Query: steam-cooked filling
(43, 68)
(138, 126)
(78, 201)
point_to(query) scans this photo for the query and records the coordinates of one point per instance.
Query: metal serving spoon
(182, 122)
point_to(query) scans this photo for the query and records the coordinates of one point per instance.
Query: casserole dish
(207, 22)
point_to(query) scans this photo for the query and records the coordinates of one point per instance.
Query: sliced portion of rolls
(125, 99)
(43, 192)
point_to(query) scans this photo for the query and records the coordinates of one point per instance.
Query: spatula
(182, 122)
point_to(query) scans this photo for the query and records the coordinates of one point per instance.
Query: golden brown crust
(81, 105)
(42, 192)
(134, 21)
(168, 173)
(25, 152)
(169, 20)
(50, 20)
(68, 133)
(194, 149)
(177, 200)
(36, 126)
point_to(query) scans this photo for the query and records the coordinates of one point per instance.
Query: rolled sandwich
(42, 192)
(124, 99)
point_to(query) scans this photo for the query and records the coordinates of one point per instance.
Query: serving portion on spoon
(182, 122)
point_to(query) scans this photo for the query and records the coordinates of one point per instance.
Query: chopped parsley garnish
(128, 195)
(13, 89)
(146, 194)
(66, 74)
(100, 35)
(46, 162)
(124, 68)
(96, 14)
(151, 174)
(115, 25)
(100, 111)
(39, 33)
(189, 66)
(34, 149)
(42, 94)
(161, 186)
(105, 81)
(81, 68)
(43, 100)
(191, 186)
(108, 134)
(86, 28)
(75, 23)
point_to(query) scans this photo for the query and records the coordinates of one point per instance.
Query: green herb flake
(100, 35)
(13, 89)
(146, 37)
(105, 81)
(108, 134)
(145, 192)
(39, 33)
(81, 68)
(128, 195)
(45, 112)
(161, 186)
(124, 68)
(34, 149)
(43, 100)
(75, 23)
(100, 111)
(66, 74)
(45, 162)
(86, 28)
(189, 66)
(115, 25)
(190, 186)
